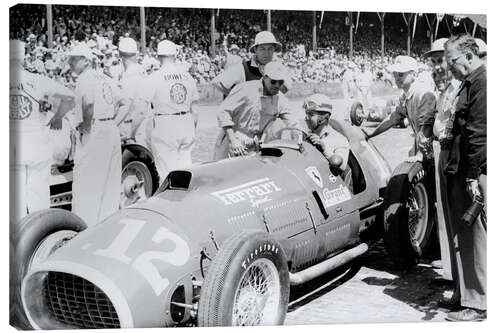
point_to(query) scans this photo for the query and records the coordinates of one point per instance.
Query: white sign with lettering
(336, 196)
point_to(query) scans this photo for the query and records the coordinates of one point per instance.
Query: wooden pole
(315, 42)
(142, 14)
(381, 17)
(350, 35)
(50, 36)
(269, 20)
(212, 35)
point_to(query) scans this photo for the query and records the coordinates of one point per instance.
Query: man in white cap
(348, 81)
(332, 144)
(232, 57)
(97, 171)
(251, 110)
(133, 82)
(263, 48)
(30, 153)
(417, 103)
(173, 94)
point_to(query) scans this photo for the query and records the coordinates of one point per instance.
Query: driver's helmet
(318, 102)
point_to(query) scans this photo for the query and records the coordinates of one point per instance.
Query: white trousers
(97, 173)
(30, 162)
(172, 141)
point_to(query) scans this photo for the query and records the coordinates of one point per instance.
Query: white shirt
(96, 88)
(171, 90)
(26, 92)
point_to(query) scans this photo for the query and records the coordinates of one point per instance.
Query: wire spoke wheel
(257, 298)
(418, 213)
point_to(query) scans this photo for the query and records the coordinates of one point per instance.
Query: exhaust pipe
(327, 265)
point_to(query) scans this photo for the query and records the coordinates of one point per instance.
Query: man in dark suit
(466, 170)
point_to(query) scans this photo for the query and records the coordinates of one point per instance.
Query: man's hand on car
(316, 141)
(237, 148)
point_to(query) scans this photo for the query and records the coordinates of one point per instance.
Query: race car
(220, 243)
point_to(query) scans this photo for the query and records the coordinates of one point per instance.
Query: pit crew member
(251, 110)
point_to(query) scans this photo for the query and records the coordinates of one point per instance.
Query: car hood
(135, 257)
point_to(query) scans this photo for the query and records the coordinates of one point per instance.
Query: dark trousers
(467, 244)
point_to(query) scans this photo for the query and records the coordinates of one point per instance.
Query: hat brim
(430, 53)
(401, 69)
(277, 45)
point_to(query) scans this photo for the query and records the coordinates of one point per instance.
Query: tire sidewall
(355, 120)
(251, 247)
(136, 152)
(25, 237)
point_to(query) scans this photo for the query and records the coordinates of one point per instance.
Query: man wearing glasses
(417, 104)
(251, 110)
(466, 174)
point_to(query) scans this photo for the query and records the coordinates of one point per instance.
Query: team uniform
(418, 105)
(251, 113)
(173, 132)
(133, 83)
(31, 149)
(97, 171)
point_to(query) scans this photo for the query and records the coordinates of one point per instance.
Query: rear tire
(408, 215)
(247, 283)
(26, 240)
(356, 119)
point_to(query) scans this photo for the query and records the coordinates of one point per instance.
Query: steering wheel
(278, 133)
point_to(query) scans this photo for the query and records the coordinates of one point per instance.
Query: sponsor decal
(314, 174)
(178, 93)
(336, 196)
(332, 178)
(21, 107)
(256, 192)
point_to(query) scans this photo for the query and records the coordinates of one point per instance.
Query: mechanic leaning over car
(133, 84)
(446, 88)
(417, 103)
(465, 169)
(254, 110)
(173, 93)
(264, 46)
(332, 144)
(31, 150)
(98, 157)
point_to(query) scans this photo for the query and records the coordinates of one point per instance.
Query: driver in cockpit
(332, 144)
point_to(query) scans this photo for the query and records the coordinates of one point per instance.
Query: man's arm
(66, 99)
(384, 126)
(475, 129)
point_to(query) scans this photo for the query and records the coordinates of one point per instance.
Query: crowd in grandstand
(102, 27)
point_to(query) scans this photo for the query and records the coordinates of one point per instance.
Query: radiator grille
(77, 302)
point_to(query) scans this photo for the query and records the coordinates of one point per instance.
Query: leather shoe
(467, 314)
(449, 303)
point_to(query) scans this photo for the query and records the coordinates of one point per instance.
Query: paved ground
(369, 289)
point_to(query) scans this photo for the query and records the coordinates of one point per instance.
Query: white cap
(275, 71)
(127, 45)
(234, 47)
(482, 46)
(167, 48)
(318, 102)
(437, 46)
(81, 50)
(265, 37)
(16, 48)
(403, 64)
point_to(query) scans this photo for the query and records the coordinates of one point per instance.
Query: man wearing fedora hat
(417, 103)
(173, 93)
(263, 48)
(251, 112)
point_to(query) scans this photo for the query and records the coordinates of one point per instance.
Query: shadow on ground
(419, 286)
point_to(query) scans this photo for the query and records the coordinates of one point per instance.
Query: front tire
(356, 114)
(408, 215)
(247, 284)
(33, 239)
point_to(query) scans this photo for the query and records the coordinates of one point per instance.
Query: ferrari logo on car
(256, 192)
(314, 174)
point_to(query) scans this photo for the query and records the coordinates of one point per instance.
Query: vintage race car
(220, 243)
(377, 111)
